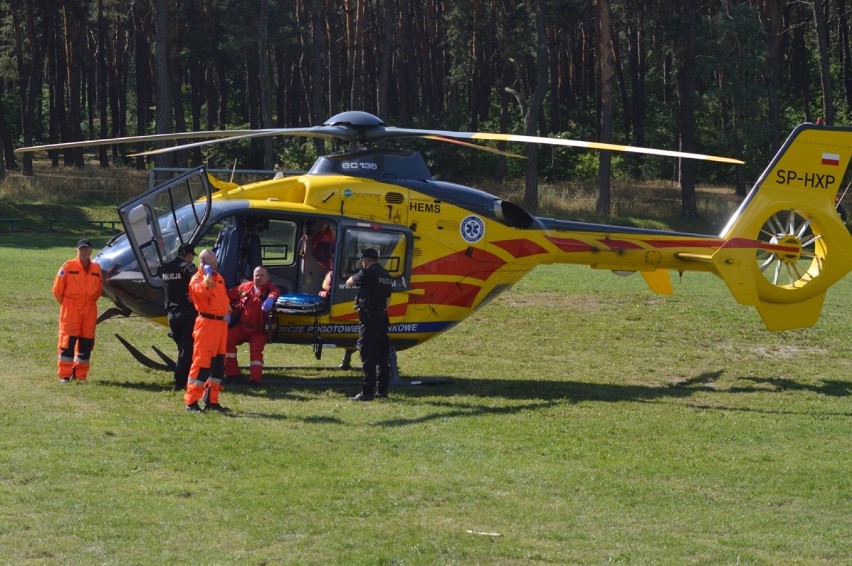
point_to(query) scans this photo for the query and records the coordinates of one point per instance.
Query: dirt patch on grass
(786, 351)
(549, 300)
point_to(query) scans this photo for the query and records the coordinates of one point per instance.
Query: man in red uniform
(254, 300)
(77, 286)
(208, 293)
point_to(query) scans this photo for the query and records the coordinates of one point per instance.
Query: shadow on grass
(552, 393)
(527, 394)
(829, 387)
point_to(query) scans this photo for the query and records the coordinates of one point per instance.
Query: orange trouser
(74, 355)
(210, 339)
(76, 338)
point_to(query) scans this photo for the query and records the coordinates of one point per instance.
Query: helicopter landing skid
(167, 365)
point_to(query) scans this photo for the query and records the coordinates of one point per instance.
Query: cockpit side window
(391, 245)
(242, 242)
(278, 243)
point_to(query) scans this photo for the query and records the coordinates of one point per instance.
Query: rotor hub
(788, 241)
(355, 119)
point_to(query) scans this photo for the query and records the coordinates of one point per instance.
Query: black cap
(186, 249)
(84, 243)
(370, 253)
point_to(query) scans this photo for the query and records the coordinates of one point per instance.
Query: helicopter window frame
(287, 256)
(393, 245)
(155, 222)
(277, 245)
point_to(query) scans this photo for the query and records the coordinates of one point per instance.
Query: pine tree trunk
(603, 203)
(165, 108)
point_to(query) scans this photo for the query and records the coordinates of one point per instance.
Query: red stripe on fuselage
(681, 243)
(445, 293)
(739, 243)
(571, 245)
(520, 248)
(621, 244)
(393, 310)
(473, 262)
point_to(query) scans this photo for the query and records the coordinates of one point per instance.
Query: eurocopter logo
(472, 229)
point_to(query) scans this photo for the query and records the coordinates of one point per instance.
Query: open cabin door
(159, 221)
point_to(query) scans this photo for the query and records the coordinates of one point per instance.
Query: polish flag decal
(831, 159)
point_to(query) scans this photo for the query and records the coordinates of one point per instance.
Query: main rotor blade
(365, 130)
(404, 132)
(607, 147)
(134, 139)
(476, 146)
(328, 132)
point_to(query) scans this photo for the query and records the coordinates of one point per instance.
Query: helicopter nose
(124, 283)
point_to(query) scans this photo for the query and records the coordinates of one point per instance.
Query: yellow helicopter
(450, 248)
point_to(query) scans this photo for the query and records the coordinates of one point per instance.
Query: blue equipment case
(295, 303)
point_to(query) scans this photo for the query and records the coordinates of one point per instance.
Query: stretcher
(296, 303)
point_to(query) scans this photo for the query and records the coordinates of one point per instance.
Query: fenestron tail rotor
(802, 254)
(356, 127)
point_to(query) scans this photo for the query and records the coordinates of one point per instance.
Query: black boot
(346, 363)
(382, 390)
(383, 381)
(368, 386)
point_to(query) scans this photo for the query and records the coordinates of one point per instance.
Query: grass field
(587, 421)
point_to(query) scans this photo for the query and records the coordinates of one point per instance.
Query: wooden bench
(101, 224)
(13, 222)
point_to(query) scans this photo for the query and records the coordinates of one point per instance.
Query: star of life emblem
(472, 229)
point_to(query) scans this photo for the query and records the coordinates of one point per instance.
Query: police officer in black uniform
(374, 288)
(176, 275)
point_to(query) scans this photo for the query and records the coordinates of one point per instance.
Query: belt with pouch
(210, 316)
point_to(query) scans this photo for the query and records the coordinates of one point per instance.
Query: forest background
(712, 76)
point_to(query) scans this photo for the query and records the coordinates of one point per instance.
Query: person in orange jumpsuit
(208, 293)
(254, 299)
(77, 287)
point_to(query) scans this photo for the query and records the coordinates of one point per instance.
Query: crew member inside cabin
(77, 287)
(210, 336)
(324, 255)
(251, 302)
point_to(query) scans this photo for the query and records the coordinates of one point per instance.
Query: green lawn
(587, 421)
